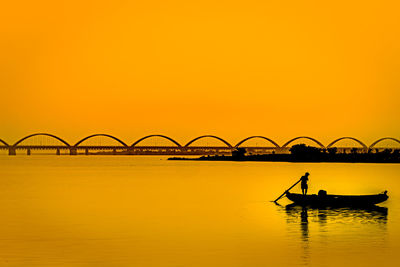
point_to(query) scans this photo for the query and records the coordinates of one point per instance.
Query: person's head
(307, 174)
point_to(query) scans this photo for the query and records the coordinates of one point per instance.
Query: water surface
(147, 211)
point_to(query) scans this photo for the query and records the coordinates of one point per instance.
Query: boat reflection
(323, 216)
(304, 223)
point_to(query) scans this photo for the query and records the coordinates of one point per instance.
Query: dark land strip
(303, 153)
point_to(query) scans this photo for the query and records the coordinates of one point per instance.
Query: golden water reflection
(319, 223)
(301, 214)
(147, 211)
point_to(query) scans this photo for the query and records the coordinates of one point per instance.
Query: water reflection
(304, 223)
(346, 215)
(324, 227)
(372, 214)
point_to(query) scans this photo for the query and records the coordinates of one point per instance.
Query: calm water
(147, 211)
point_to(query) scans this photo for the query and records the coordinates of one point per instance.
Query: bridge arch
(349, 138)
(382, 139)
(44, 134)
(257, 136)
(4, 142)
(303, 137)
(106, 135)
(156, 135)
(212, 136)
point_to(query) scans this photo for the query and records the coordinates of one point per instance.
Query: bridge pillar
(58, 152)
(114, 151)
(28, 151)
(86, 151)
(73, 151)
(11, 151)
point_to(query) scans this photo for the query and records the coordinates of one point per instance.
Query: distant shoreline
(339, 158)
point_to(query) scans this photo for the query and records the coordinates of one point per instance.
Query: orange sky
(186, 68)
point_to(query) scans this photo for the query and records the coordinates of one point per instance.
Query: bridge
(174, 147)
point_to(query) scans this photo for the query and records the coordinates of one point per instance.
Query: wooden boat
(325, 200)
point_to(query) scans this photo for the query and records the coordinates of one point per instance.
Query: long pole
(284, 193)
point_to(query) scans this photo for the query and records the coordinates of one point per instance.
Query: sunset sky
(187, 68)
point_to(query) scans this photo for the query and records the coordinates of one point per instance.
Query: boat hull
(337, 200)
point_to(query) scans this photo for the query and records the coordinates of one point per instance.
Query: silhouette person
(304, 185)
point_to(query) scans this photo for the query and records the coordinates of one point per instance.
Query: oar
(284, 193)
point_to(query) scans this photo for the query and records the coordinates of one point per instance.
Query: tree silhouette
(239, 152)
(302, 150)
